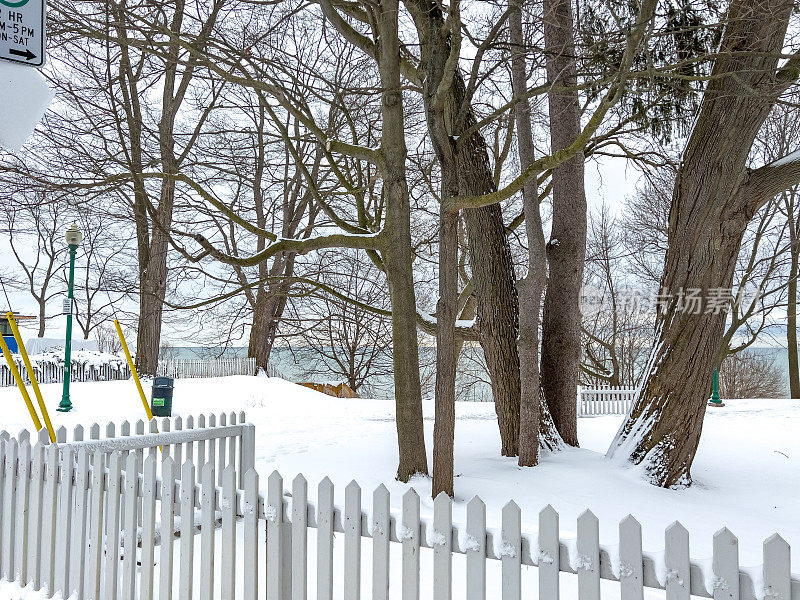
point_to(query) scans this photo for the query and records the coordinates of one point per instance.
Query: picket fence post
(300, 537)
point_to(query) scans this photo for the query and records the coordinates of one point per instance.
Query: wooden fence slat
(78, 551)
(676, 560)
(725, 565)
(511, 552)
(222, 447)
(777, 569)
(299, 538)
(548, 559)
(166, 451)
(201, 445)
(207, 532)
(212, 444)
(129, 528)
(275, 540)
(231, 443)
(247, 448)
(352, 541)
(147, 578)
(442, 547)
(23, 506)
(325, 540)
(166, 550)
(96, 527)
(228, 554)
(64, 532)
(588, 545)
(630, 559)
(381, 536)
(190, 447)
(250, 510)
(410, 535)
(177, 425)
(476, 549)
(9, 509)
(112, 524)
(4, 438)
(35, 516)
(186, 570)
(49, 514)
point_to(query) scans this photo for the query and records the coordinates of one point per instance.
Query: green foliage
(669, 72)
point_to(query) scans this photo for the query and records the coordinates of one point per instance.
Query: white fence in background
(181, 368)
(69, 517)
(605, 400)
(185, 368)
(48, 372)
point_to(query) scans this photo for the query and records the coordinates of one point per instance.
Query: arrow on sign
(27, 54)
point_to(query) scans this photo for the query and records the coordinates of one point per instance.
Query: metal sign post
(22, 31)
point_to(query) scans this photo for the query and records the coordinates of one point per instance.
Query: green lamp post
(74, 238)
(715, 399)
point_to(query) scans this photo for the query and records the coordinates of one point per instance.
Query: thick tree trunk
(152, 291)
(148, 337)
(715, 196)
(265, 313)
(446, 355)
(532, 286)
(566, 251)
(398, 257)
(496, 293)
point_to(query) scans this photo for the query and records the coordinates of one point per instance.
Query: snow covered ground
(747, 471)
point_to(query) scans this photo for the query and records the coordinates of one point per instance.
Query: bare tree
(617, 320)
(343, 339)
(35, 231)
(750, 374)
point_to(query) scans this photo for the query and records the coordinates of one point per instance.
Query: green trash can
(161, 399)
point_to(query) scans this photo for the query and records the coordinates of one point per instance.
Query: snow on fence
(51, 372)
(68, 520)
(605, 400)
(183, 368)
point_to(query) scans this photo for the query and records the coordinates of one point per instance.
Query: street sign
(22, 31)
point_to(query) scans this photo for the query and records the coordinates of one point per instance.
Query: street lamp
(74, 238)
(715, 399)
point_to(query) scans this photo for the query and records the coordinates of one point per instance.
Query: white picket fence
(183, 368)
(50, 372)
(220, 439)
(605, 400)
(69, 516)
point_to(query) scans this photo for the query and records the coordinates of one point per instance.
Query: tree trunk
(496, 293)
(532, 286)
(42, 314)
(446, 355)
(262, 330)
(152, 291)
(398, 257)
(566, 251)
(467, 163)
(791, 301)
(715, 196)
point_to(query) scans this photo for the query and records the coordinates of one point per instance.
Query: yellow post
(20, 384)
(133, 370)
(31, 375)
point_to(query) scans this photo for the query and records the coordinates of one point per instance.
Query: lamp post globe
(73, 236)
